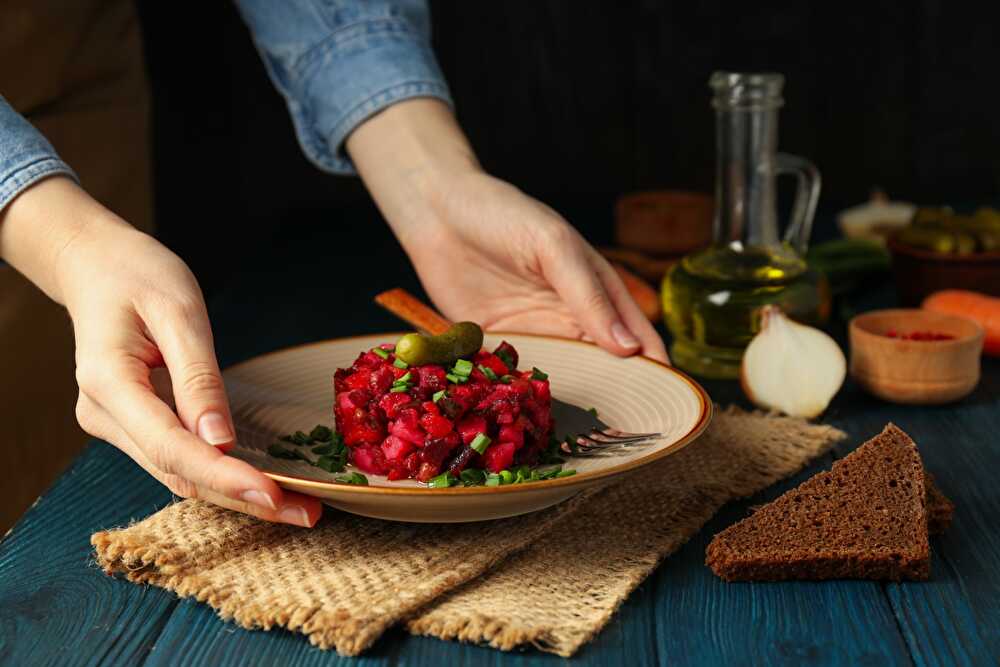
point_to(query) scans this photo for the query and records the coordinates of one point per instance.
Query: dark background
(577, 102)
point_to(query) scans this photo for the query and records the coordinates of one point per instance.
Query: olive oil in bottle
(712, 298)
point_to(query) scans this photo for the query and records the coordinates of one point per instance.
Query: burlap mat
(346, 581)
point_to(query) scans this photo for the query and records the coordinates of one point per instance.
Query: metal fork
(599, 441)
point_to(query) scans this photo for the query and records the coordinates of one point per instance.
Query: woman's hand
(136, 307)
(484, 250)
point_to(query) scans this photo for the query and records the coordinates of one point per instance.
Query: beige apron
(74, 68)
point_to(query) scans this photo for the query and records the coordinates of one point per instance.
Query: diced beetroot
(353, 399)
(392, 403)
(369, 459)
(395, 448)
(364, 431)
(506, 351)
(512, 433)
(469, 393)
(470, 427)
(398, 473)
(380, 379)
(366, 360)
(435, 451)
(520, 387)
(358, 380)
(499, 456)
(340, 380)
(492, 362)
(540, 388)
(432, 378)
(435, 425)
(426, 472)
(452, 408)
(406, 435)
(407, 427)
(477, 376)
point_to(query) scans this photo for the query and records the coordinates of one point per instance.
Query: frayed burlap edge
(143, 558)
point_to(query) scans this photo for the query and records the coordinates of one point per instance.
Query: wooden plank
(703, 620)
(55, 606)
(952, 619)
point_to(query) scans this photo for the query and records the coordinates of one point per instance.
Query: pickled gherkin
(942, 231)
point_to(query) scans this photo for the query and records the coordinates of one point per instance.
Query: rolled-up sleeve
(26, 157)
(338, 63)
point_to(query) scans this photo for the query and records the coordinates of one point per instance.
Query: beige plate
(292, 390)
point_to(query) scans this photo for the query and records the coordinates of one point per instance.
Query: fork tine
(615, 433)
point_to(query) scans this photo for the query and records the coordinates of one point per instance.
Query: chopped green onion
(493, 480)
(565, 473)
(521, 474)
(399, 363)
(297, 438)
(506, 379)
(488, 372)
(279, 452)
(538, 375)
(442, 481)
(506, 477)
(457, 379)
(320, 433)
(404, 378)
(380, 352)
(472, 477)
(438, 395)
(480, 442)
(355, 478)
(462, 367)
(593, 411)
(330, 463)
(399, 388)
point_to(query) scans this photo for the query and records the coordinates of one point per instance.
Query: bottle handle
(806, 197)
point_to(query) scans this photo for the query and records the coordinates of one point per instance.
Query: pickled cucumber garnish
(463, 339)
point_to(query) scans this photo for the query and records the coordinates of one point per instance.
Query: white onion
(791, 367)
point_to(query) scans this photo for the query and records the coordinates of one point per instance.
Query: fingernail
(214, 429)
(295, 515)
(258, 498)
(623, 336)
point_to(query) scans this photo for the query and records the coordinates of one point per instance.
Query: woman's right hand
(137, 307)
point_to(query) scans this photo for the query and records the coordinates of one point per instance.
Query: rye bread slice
(865, 518)
(939, 508)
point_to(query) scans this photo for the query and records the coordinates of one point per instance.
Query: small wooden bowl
(918, 372)
(919, 273)
(664, 222)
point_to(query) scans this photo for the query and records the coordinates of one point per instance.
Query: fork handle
(413, 311)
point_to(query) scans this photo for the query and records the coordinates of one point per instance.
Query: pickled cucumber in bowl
(945, 232)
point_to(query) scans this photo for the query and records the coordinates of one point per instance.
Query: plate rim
(704, 418)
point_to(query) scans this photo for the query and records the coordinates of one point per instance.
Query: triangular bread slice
(865, 518)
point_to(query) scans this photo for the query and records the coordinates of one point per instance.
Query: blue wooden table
(57, 608)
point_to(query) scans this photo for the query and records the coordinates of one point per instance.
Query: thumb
(199, 393)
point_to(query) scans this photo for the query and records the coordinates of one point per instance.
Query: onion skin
(794, 396)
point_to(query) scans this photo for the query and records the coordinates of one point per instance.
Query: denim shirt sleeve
(26, 157)
(338, 62)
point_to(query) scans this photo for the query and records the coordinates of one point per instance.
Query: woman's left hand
(483, 249)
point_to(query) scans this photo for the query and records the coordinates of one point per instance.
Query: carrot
(975, 306)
